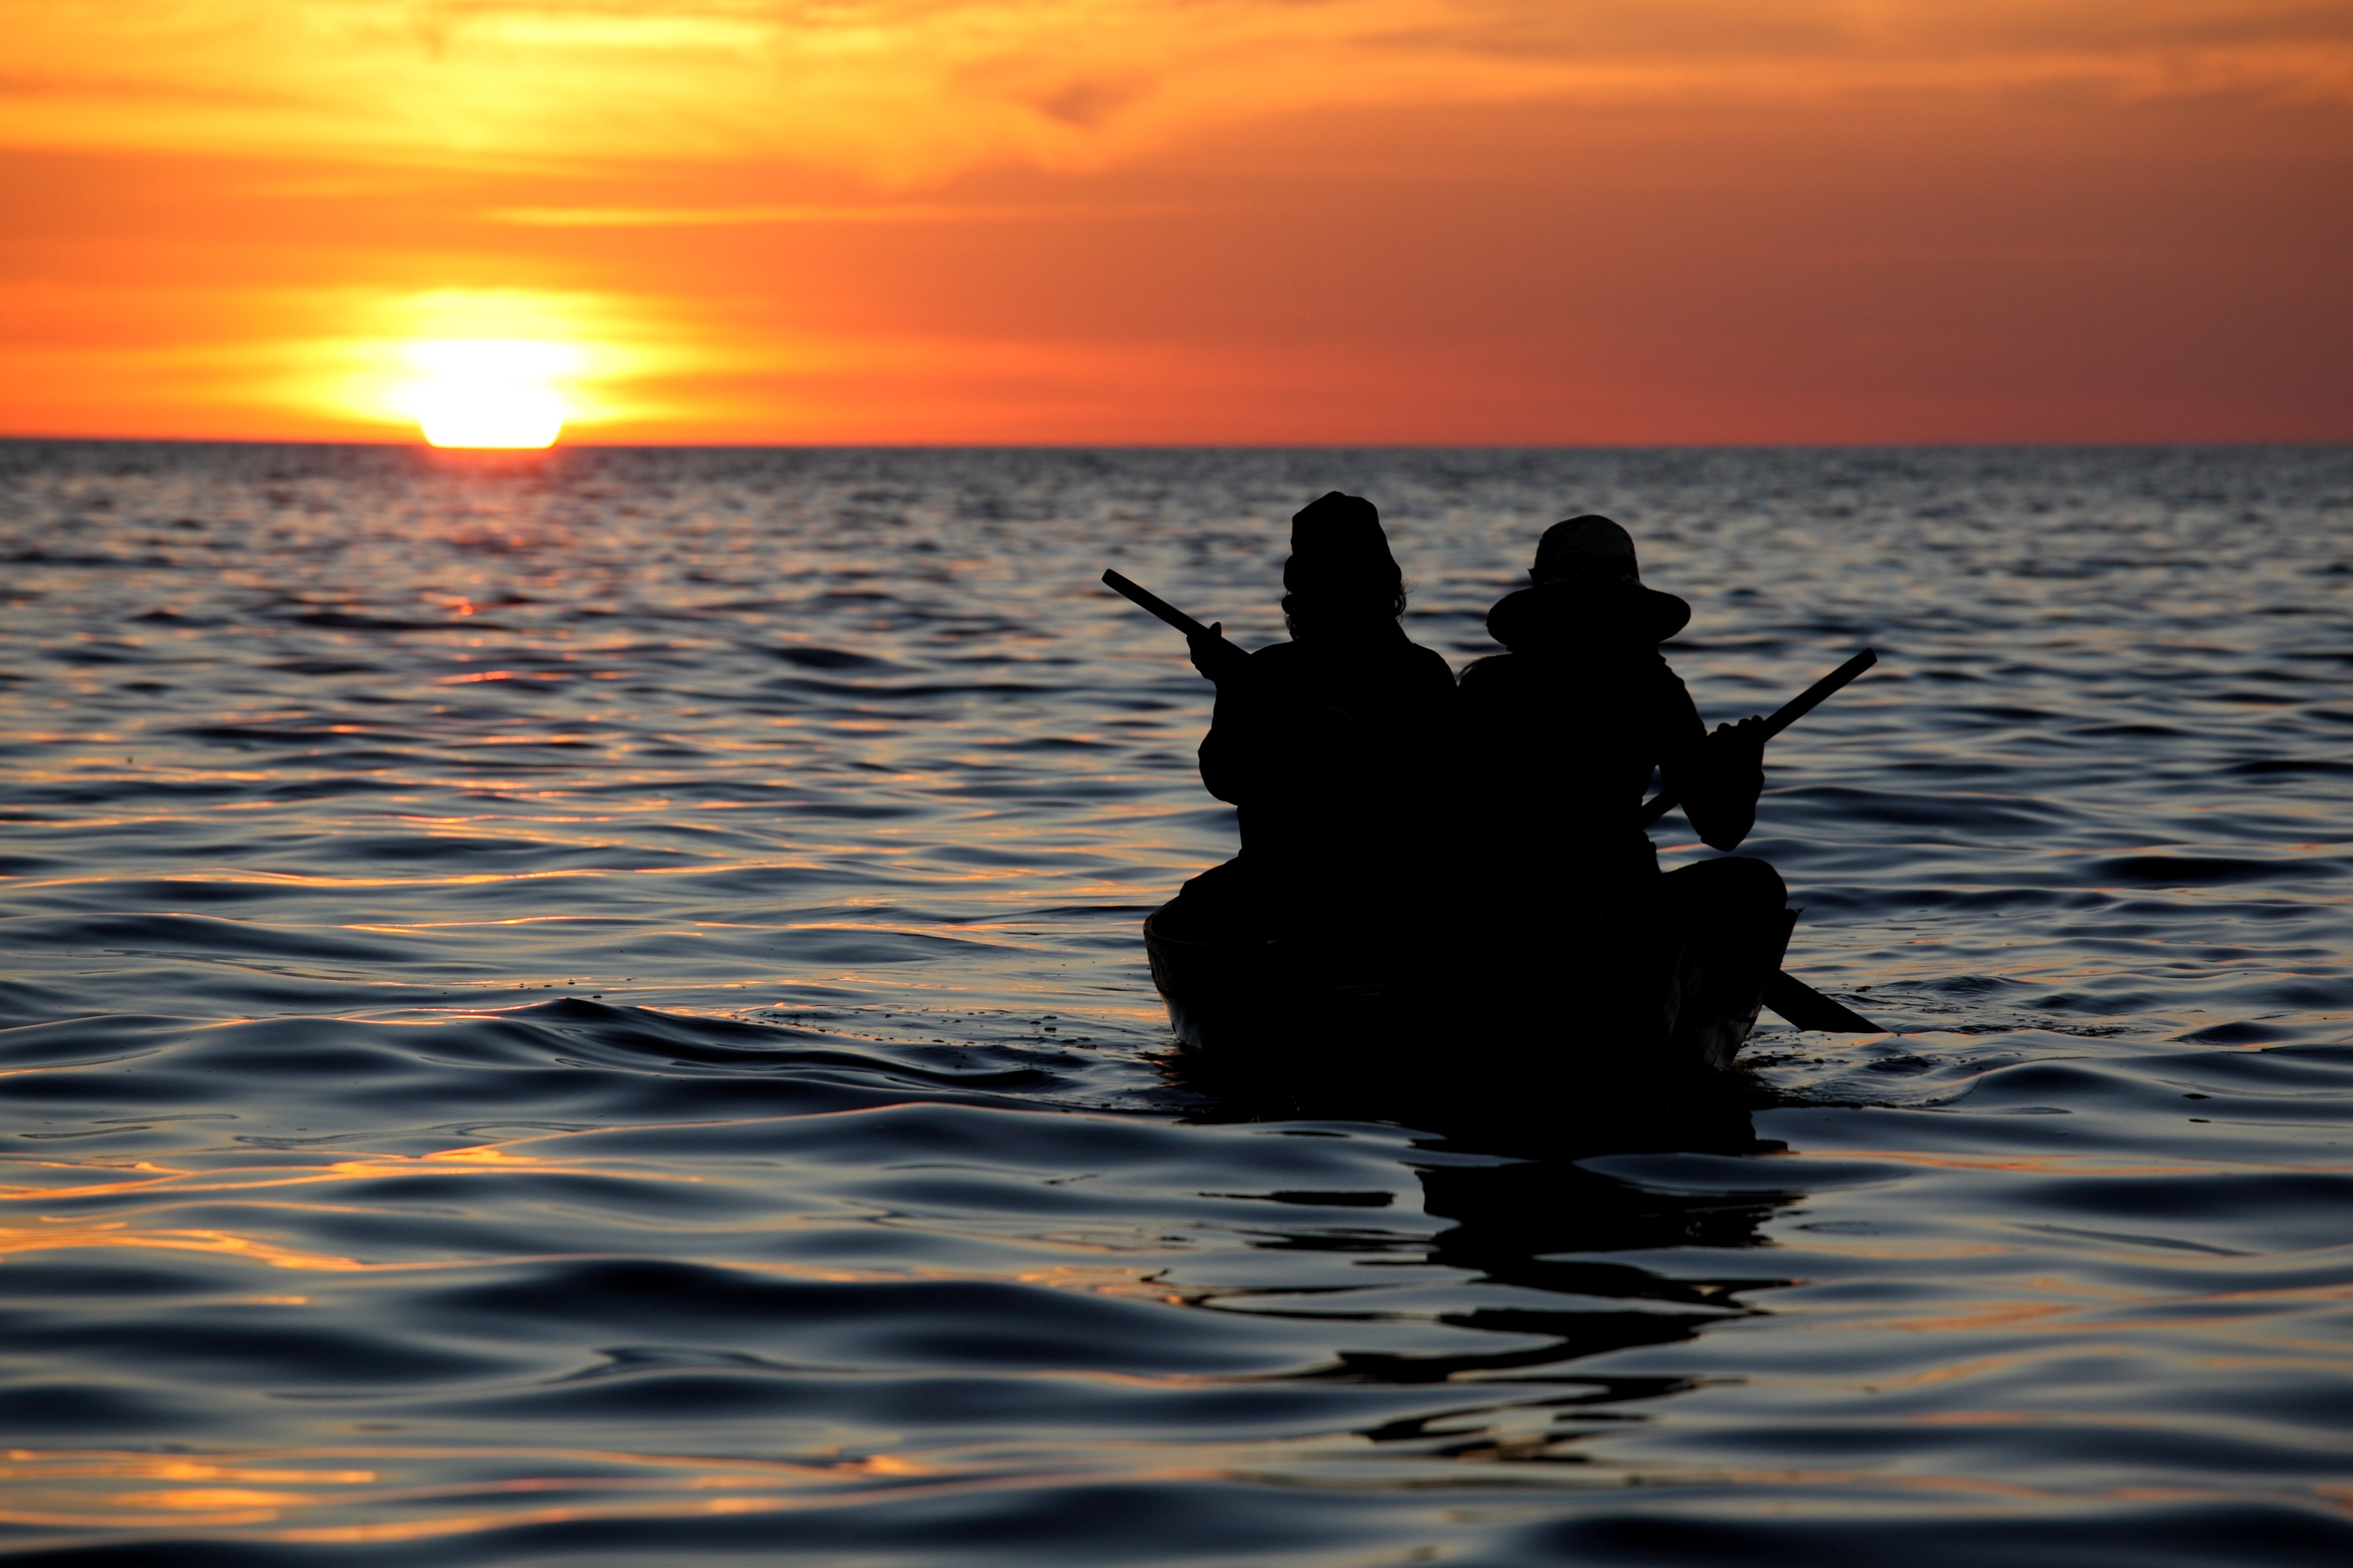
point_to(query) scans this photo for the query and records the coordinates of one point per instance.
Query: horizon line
(2146, 443)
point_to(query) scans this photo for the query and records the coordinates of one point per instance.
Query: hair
(1326, 607)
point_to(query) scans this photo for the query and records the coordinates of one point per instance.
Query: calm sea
(590, 1011)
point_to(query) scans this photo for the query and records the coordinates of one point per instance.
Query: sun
(487, 391)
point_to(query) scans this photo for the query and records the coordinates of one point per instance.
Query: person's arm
(1716, 777)
(1478, 719)
(1229, 752)
(1509, 762)
(1254, 728)
(1723, 809)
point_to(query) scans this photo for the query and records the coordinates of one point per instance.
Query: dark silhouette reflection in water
(1532, 1206)
(1535, 1224)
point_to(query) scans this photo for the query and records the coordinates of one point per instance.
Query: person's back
(1560, 738)
(1561, 734)
(1328, 744)
(1319, 795)
(1560, 747)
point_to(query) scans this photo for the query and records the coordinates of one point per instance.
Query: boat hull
(1272, 1006)
(1225, 997)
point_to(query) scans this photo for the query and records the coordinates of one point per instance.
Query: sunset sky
(1083, 221)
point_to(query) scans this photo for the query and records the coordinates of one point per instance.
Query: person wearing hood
(1327, 743)
(1561, 737)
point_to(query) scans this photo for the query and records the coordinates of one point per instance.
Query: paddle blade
(1807, 1009)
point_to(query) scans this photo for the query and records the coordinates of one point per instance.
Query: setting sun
(1175, 221)
(487, 391)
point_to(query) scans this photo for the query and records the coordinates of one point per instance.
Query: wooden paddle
(1788, 713)
(1800, 1004)
(1153, 603)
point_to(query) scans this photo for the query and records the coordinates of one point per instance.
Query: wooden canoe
(1243, 1003)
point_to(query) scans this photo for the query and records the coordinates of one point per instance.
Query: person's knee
(1209, 905)
(1761, 883)
(1220, 884)
(1743, 879)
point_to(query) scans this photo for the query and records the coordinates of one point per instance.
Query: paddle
(1153, 603)
(1788, 713)
(1800, 1004)
(1787, 995)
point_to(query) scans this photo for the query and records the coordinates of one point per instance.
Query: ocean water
(589, 1010)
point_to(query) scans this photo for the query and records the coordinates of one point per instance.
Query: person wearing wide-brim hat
(1327, 743)
(1562, 734)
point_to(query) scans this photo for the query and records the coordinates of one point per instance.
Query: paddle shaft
(1153, 603)
(1784, 716)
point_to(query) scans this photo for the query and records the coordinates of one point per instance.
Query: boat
(1289, 1007)
(1270, 1007)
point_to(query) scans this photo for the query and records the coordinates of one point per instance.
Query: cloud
(816, 213)
(906, 91)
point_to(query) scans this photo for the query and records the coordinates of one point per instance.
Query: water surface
(591, 1011)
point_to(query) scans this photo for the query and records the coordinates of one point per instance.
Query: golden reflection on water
(33, 1495)
(268, 1014)
(34, 1489)
(36, 1497)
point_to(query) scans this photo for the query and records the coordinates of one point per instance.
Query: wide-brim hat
(1587, 588)
(1568, 613)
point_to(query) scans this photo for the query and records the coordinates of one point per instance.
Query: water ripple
(590, 1011)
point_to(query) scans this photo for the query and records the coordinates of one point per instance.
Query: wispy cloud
(907, 90)
(834, 213)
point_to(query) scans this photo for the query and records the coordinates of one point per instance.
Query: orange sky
(1189, 220)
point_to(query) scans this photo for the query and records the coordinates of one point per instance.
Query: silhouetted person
(1337, 813)
(1561, 736)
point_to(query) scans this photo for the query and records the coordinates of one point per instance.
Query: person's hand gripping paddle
(1788, 713)
(1213, 656)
